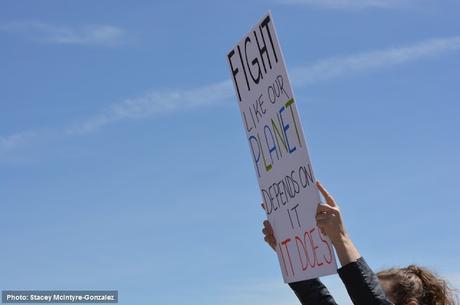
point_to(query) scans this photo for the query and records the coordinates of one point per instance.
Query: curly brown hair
(418, 284)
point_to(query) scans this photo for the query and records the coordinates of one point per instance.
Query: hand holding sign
(329, 220)
(328, 217)
(269, 235)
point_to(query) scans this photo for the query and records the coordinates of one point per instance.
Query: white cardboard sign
(279, 151)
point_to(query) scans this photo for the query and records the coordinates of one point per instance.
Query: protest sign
(279, 151)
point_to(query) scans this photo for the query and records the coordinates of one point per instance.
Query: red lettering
(315, 247)
(284, 261)
(310, 238)
(284, 243)
(328, 261)
(309, 252)
(297, 241)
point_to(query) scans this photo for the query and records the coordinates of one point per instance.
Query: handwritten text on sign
(279, 152)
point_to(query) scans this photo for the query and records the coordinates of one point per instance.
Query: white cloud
(154, 103)
(102, 35)
(159, 102)
(349, 65)
(17, 139)
(352, 4)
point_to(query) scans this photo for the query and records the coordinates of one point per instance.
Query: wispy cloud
(364, 62)
(17, 139)
(160, 102)
(154, 103)
(144, 106)
(352, 4)
(101, 35)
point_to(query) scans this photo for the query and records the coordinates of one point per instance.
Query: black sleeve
(312, 292)
(362, 284)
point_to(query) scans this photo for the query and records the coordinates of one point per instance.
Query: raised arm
(312, 292)
(361, 282)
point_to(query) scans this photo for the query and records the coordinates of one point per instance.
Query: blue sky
(123, 160)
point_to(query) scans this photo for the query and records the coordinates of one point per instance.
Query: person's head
(415, 285)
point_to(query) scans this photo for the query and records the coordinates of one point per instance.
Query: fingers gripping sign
(328, 216)
(269, 235)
